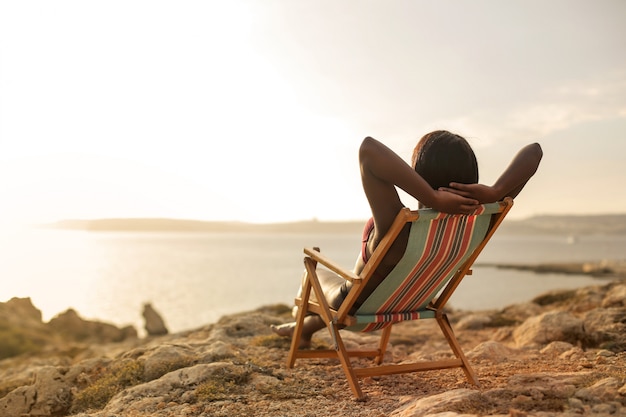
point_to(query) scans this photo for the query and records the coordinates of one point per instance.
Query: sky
(254, 110)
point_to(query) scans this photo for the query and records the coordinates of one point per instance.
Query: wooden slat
(336, 268)
(327, 353)
(407, 367)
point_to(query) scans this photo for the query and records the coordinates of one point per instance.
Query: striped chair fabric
(438, 246)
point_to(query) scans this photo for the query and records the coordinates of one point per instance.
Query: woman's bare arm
(382, 170)
(511, 182)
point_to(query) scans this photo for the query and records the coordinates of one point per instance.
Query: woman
(443, 176)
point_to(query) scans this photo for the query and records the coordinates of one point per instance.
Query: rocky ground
(562, 354)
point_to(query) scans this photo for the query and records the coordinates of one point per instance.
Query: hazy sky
(254, 110)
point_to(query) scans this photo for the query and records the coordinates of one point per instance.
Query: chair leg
(446, 328)
(300, 315)
(311, 283)
(344, 359)
(382, 347)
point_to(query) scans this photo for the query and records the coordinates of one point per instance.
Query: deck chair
(440, 251)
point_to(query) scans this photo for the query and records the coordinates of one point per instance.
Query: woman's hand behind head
(480, 192)
(449, 202)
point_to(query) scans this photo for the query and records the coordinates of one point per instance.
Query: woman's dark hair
(441, 157)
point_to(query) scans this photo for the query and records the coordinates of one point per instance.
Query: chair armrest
(318, 257)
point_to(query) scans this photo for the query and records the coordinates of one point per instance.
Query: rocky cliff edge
(561, 354)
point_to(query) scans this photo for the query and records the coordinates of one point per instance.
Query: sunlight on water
(192, 279)
(54, 268)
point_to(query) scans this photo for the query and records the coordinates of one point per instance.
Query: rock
(606, 328)
(491, 351)
(24, 332)
(154, 324)
(19, 310)
(237, 327)
(606, 409)
(72, 327)
(576, 405)
(549, 327)
(604, 390)
(588, 298)
(518, 313)
(170, 387)
(559, 385)
(436, 403)
(556, 348)
(474, 321)
(165, 358)
(216, 351)
(574, 354)
(264, 382)
(49, 395)
(615, 297)
(21, 328)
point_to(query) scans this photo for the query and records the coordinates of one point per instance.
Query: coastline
(598, 269)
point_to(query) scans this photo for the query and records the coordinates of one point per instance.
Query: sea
(194, 278)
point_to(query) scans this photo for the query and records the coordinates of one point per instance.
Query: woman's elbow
(537, 151)
(367, 148)
(532, 153)
(368, 142)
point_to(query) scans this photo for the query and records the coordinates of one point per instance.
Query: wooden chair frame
(340, 318)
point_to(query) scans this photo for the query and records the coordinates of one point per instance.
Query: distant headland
(566, 225)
